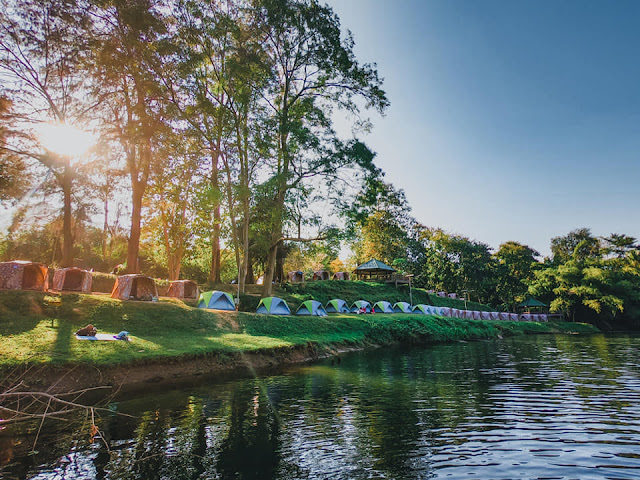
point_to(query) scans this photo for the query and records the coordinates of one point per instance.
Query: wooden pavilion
(374, 270)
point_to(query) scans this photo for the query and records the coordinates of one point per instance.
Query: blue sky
(509, 120)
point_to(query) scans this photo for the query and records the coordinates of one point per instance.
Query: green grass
(38, 328)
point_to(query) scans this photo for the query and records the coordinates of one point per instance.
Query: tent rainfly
(311, 307)
(183, 289)
(134, 287)
(296, 276)
(358, 304)
(421, 308)
(373, 269)
(382, 307)
(23, 275)
(273, 306)
(402, 307)
(216, 300)
(72, 279)
(341, 276)
(321, 275)
(337, 305)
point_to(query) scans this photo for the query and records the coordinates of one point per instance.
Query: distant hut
(72, 279)
(531, 305)
(23, 275)
(183, 289)
(374, 270)
(321, 275)
(341, 276)
(134, 287)
(296, 277)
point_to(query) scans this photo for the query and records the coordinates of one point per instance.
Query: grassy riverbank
(38, 329)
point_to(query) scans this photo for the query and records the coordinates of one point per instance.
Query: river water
(536, 407)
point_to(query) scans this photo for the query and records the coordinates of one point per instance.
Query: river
(534, 407)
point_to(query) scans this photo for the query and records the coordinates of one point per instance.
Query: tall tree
(514, 271)
(129, 46)
(314, 71)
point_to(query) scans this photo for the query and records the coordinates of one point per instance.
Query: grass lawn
(38, 328)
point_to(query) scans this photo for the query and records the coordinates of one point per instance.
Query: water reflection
(534, 407)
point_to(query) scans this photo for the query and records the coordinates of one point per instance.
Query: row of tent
(277, 306)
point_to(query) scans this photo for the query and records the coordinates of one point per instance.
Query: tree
(129, 49)
(314, 70)
(514, 270)
(42, 50)
(563, 247)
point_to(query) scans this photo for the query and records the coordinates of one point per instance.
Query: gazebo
(531, 305)
(374, 270)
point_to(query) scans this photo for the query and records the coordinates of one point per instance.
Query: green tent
(382, 307)
(358, 304)
(337, 305)
(311, 307)
(402, 307)
(216, 300)
(273, 306)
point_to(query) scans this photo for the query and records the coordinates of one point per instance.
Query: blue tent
(422, 308)
(216, 300)
(382, 307)
(273, 306)
(337, 305)
(358, 304)
(402, 307)
(311, 307)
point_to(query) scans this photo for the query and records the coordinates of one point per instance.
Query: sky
(509, 119)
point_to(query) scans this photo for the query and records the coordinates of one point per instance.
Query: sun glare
(65, 139)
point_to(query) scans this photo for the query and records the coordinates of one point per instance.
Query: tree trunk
(133, 249)
(214, 273)
(67, 234)
(105, 227)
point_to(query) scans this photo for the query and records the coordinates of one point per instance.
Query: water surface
(540, 407)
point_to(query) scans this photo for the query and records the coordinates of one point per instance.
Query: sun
(65, 139)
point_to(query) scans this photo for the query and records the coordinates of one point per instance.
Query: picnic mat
(98, 336)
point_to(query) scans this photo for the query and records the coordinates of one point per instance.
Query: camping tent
(453, 295)
(477, 315)
(485, 315)
(445, 311)
(513, 317)
(503, 316)
(373, 269)
(72, 279)
(494, 315)
(311, 307)
(273, 306)
(296, 276)
(134, 287)
(23, 275)
(183, 289)
(455, 313)
(341, 276)
(216, 300)
(321, 275)
(337, 305)
(358, 304)
(402, 307)
(422, 308)
(382, 307)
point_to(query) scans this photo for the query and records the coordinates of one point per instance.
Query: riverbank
(171, 340)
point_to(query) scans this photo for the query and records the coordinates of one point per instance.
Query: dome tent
(183, 289)
(422, 309)
(337, 305)
(358, 304)
(382, 307)
(273, 306)
(321, 275)
(402, 307)
(72, 279)
(311, 307)
(216, 300)
(23, 275)
(134, 287)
